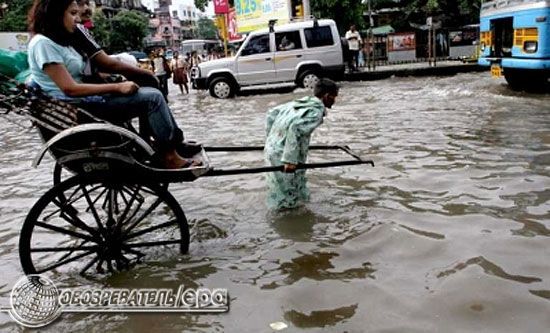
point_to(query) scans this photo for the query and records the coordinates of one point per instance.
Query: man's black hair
(325, 86)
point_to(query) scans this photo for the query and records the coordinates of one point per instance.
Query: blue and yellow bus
(515, 41)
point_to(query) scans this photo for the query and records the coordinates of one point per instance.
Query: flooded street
(450, 231)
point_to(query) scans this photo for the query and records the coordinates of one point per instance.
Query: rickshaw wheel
(57, 169)
(88, 223)
(58, 177)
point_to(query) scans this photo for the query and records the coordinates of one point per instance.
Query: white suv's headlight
(195, 72)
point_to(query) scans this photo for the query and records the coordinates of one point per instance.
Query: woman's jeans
(149, 105)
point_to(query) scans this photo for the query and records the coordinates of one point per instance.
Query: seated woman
(57, 68)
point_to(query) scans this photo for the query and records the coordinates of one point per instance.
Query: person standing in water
(288, 131)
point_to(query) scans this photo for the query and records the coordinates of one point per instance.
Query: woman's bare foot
(172, 160)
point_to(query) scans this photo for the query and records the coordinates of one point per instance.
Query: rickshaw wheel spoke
(64, 262)
(98, 222)
(89, 265)
(148, 244)
(150, 229)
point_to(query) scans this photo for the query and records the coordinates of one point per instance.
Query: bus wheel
(516, 79)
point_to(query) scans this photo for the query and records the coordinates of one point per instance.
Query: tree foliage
(102, 28)
(343, 12)
(346, 12)
(202, 4)
(15, 18)
(450, 12)
(206, 29)
(129, 28)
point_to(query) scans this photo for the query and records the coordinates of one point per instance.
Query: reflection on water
(489, 268)
(448, 232)
(320, 318)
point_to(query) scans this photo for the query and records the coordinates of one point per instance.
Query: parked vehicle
(169, 54)
(138, 54)
(515, 41)
(202, 46)
(297, 53)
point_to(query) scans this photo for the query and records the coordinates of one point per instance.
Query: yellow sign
(255, 14)
(496, 71)
(222, 27)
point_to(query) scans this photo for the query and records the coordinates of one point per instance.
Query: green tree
(129, 28)
(201, 4)
(346, 12)
(349, 11)
(102, 28)
(343, 12)
(451, 12)
(206, 29)
(15, 18)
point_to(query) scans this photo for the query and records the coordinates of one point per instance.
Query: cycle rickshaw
(116, 208)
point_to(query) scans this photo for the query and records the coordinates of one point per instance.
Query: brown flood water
(449, 232)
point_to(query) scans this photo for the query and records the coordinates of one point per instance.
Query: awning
(381, 30)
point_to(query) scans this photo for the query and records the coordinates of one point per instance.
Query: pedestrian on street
(195, 59)
(159, 67)
(354, 44)
(179, 68)
(288, 130)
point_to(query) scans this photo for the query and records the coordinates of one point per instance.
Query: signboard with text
(221, 6)
(14, 41)
(232, 30)
(255, 14)
(401, 42)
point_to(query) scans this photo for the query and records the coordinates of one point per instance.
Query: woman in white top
(57, 68)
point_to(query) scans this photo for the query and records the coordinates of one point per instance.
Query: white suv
(298, 53)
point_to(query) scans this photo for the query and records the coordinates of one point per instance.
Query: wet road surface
(449, 232)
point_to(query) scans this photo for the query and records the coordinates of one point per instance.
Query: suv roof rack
(271, 25)
(303, 18)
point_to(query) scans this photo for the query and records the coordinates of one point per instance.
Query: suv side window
(256, 45)
(318, 36)
(289, 40)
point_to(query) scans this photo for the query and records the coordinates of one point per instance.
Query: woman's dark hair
(46, 18)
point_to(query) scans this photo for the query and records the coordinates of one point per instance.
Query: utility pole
(434, 45)
(307, 8)
(429, 24)
(370, 39)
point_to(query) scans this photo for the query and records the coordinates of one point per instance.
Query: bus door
(503, 32)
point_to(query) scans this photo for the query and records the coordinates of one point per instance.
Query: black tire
(101, 226)
(222, 87)
(526, 80)
(516, 79)
(308, 79)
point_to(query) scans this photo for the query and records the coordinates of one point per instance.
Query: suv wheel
(309, 79)
(221, 87)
